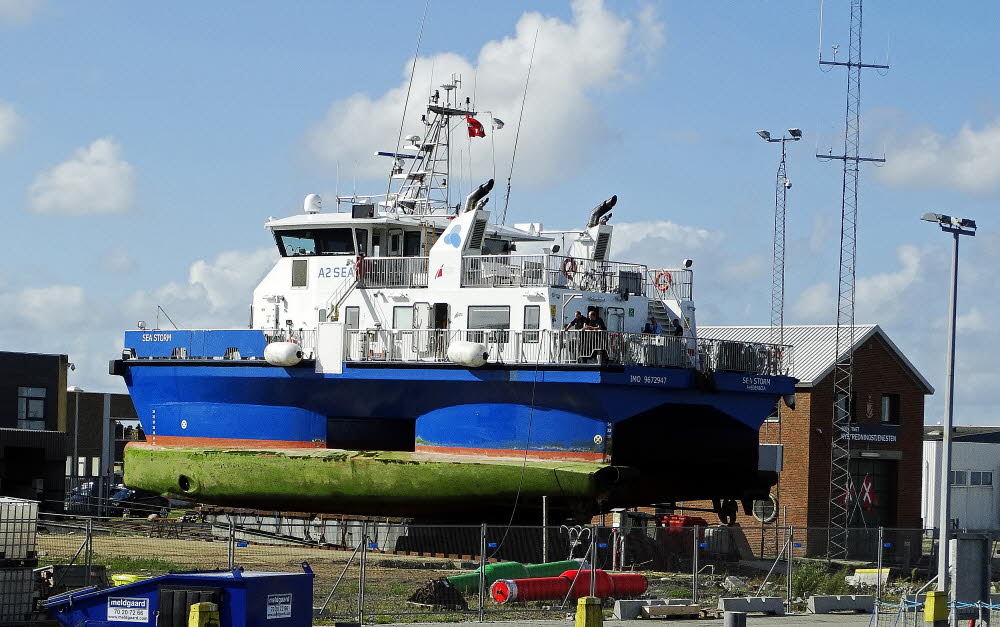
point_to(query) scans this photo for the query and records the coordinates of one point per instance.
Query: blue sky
(142, 146)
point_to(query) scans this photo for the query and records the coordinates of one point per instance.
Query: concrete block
(868, 577)
(766, 605)
(826, 603)
(666, 611)
(631, 609)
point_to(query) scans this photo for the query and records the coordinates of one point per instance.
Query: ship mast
(423, 187)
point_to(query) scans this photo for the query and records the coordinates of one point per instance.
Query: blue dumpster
(244, 599)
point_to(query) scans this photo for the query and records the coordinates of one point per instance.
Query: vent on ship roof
(601, 250)
(478, 231)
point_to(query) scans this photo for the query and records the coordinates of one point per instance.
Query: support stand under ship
(409, 356)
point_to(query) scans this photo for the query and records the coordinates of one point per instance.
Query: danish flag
(868, 494)
(475, 127)
(849, 492)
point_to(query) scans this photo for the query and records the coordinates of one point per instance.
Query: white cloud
(814, 305)
(650, 35)
(885, 298)
(745, 270)
(10, 124)
(95, 180)
(562, 125)
(217, 292)
(973, 321)
(966, 162)
(40, 308)
(649, 242)
(881, 296)
(68, 319)
(18, 11)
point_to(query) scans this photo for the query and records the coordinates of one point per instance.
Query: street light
(957, 227)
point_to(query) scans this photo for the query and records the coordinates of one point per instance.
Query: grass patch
(812, 578)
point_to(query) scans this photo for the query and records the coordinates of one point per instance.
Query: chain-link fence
(377, 571)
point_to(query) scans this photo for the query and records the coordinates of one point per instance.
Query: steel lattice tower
(778, 256)
(843, 384)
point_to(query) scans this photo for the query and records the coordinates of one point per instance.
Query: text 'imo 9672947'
(409, 356)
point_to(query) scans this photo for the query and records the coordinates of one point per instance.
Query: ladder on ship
(338, 297)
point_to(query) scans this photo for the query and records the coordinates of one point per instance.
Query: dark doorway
(440, 315)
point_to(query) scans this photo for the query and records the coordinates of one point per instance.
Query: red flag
(849, 492)
(475, 127)
(868, 494)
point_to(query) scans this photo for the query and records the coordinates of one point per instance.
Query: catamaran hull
(445, 442)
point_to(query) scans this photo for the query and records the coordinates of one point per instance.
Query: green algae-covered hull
(422, 485)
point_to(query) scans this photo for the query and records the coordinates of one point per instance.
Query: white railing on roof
(570, 347)
(552, 271)
(670, 284)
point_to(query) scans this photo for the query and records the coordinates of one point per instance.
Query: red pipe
(554, 588)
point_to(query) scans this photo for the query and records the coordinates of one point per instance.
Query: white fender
(470, 354)
(283, 353)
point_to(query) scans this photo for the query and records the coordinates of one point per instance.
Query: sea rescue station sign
(876, 434)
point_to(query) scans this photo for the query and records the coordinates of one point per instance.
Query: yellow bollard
(936, 607)
(204, 615)
(589, 612)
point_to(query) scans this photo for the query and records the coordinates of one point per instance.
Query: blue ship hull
(649, 423)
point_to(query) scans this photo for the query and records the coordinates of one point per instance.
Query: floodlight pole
(949, 397)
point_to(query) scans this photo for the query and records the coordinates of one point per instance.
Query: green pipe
(511, 570)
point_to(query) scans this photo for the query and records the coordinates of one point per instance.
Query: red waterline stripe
(194, 442)
(185, 441)
(575, 456)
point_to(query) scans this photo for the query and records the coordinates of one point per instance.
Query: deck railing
(305, 338)
(393, 272)
(553, 271)
(570, 347)
(670, 284)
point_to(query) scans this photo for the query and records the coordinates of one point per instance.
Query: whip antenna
(406, 102)
(517, 134)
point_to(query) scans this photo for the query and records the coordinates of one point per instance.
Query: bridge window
(489, 317)
(532, 317)
(493, 246)
(402, 317)
(411, 244)
(361, 236)
(338, 241)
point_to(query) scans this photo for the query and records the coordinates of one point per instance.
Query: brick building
(887, 414)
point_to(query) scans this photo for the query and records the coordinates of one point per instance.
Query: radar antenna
(841, 485)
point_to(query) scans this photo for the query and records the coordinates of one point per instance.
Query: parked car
(140, 502)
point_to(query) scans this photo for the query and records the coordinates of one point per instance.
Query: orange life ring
(663, 280)
(569, 267)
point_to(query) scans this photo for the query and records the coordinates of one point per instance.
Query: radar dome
(313, 203)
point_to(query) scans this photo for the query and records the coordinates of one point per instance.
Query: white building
(975, 462)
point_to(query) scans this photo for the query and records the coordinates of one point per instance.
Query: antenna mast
(843, 384)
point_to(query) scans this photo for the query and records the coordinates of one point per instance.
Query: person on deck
(652, 327)
(576, 324)
(594, 322)
(678, 329)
